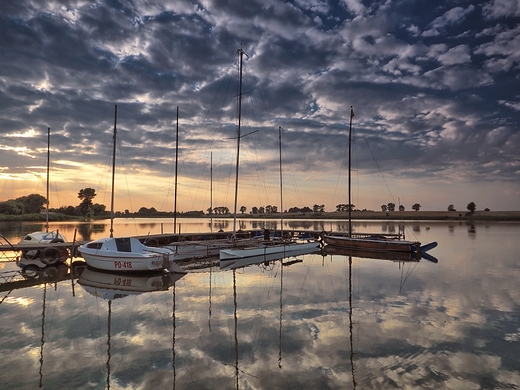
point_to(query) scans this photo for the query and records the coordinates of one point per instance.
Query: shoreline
(499, 216)
(395, 215)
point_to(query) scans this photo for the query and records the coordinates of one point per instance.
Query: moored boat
(261, 250)
(125, 253)
(375, 242)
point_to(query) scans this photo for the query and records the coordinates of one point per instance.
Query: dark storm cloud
(433, 86)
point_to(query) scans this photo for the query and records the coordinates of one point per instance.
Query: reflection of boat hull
(281, 249)
(109, 285)
(266, 257)
(371, 254)
(125, 254)
(375, 244)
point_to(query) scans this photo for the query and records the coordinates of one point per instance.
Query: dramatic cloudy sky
(434, 86)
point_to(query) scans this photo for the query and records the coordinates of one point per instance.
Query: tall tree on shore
(86, 195)
(472, 207)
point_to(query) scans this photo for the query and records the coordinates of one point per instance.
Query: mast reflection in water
(396, 323)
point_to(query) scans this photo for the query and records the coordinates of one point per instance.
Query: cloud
(456, 55)
(496, 9)
(449, 18)
(65, 65)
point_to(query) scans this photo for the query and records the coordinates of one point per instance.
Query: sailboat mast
(281, 183)
(113, 174)
(176, 165)
(211, 190)
(48, 169)
(349, 173)
(241, 54)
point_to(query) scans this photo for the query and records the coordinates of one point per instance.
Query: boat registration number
(123, 264)
(122, 282)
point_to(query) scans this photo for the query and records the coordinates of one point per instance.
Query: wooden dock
(157, 240)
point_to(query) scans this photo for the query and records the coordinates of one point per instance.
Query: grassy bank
(379, 215)
(36, 217)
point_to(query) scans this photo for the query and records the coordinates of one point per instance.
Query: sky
(434, 87)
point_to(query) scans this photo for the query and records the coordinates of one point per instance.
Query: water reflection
(335, 321)
(111, 286)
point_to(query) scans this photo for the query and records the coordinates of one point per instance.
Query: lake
(319, 321)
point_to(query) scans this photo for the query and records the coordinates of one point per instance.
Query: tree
(221, 210)
(145, 211)
(243, 209)
(86, 195)
(318, 208)
(416, 207)
(384, 207)
(67, 210)
(32, 203)
(98, 209)
(401, 207)
(451, 208)
(254, 210)
(11, 207)
(391, 206)
(471, 207)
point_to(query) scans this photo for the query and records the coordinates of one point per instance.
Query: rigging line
(220, 114)
(92, 330)
(379, 169)
(260, 310)
(411, 268)
(189, 303)
(104, 174)
(388, 188)
(126, 336)
(196, 131)
(53, 315)
(345, 153)
(293, 179)
(123, 166)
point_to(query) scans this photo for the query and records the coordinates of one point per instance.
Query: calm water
(322, 323)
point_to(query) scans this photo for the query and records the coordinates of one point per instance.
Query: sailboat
(368, 241)
(200, 249)
(125, 253)
(266, 247)
(42, 240)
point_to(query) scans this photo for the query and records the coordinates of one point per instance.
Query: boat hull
(265, 258)
(125, 254)
(374, 244)
(236, 254)
(113, 262)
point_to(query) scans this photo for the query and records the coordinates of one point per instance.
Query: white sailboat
(282, 247)
(42, 240)
(125, 253)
